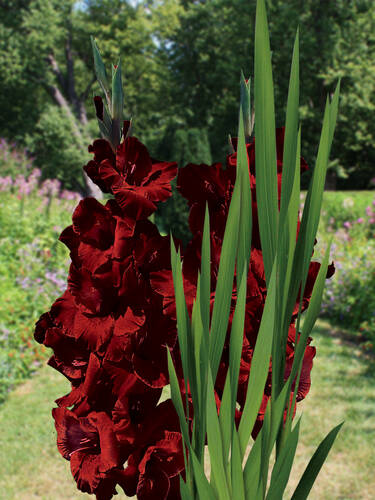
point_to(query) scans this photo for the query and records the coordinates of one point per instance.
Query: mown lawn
(343, 388)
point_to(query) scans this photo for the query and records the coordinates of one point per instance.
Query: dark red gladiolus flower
(135, 179)
(90, 444)
(201, 184)
(111, 328)
(160, 463)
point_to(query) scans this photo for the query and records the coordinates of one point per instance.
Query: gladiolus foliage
(116, 330)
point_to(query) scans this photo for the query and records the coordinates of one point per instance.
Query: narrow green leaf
(215, 443)
(265, 150)
(183, 322)
(291, 133)
(310, 318)
(197, 336)
(312, 470)
(246, 218)
(333, 111)
(313, 203)
(203, 297)
(286, 248)
(177, 400)
(184, 490)
(100, 68)
(224, 286)
(259, 494)
(117, 105)
(292, 220)
(117, 94)
(236, 340)
(259, 364)
(310, 220)
(277, 413)
(289, 204)
(266, 428)
(205, 283)
(311, 314)
(317, 293)
(238, 485)
(251, 472)
(283, 465)
(198, 362)
(245, 104)
(205, 490)
(225, 419)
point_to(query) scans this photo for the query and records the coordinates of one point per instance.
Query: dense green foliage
(52, 144)
(181, 63)
(349, 297)
(33, 271)
(13, 161)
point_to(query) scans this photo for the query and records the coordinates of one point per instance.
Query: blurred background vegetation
(181, 61)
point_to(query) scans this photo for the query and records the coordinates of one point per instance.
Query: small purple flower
(69, 195)
(50, 187)
(23, 282)
(347, 224)
(360, 220)
(4, 333)
(5, 183)
(57, 281)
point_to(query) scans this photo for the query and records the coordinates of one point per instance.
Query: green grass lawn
(343, 388)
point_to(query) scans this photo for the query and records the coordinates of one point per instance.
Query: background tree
(181, 62)
(354, 62)
(207, 49)
(41, 42)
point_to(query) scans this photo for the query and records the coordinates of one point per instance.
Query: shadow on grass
(352, 340)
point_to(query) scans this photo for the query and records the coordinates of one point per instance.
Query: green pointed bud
(100, 68)
(117, 104)
(245, 104)
(117, 93)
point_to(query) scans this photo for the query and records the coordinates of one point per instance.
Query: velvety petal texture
(112, 327)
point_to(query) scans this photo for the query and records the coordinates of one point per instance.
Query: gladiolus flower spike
(218, 321)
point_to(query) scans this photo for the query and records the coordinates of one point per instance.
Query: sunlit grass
(342, 389)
